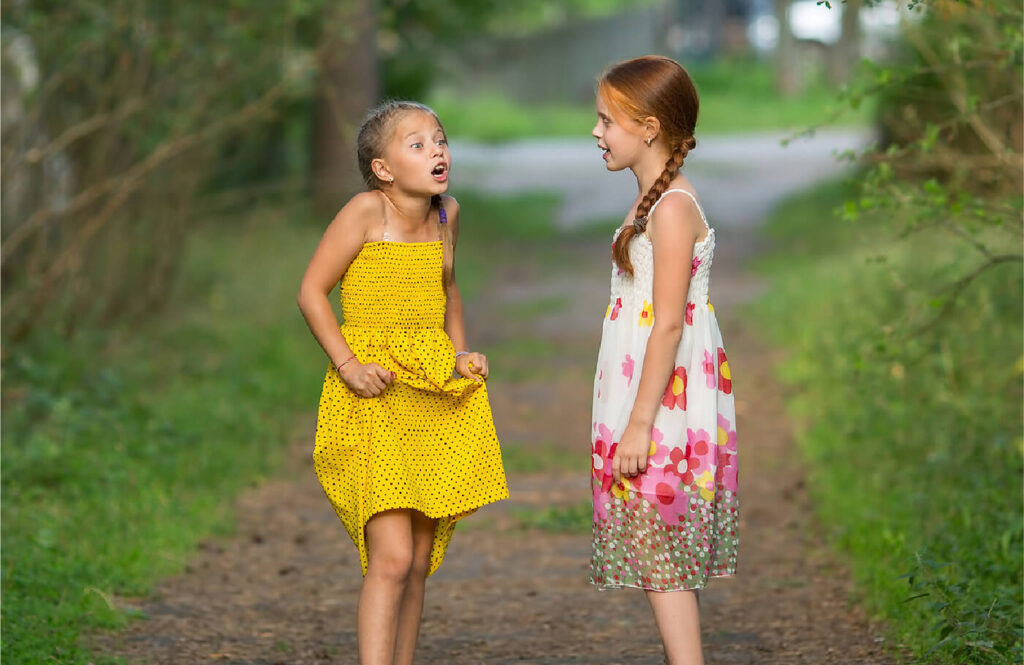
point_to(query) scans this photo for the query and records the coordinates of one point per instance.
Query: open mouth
(440, 172)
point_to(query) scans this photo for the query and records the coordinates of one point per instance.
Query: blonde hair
(374, 135)
(659, 87)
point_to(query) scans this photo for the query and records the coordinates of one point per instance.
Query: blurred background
(168, 169)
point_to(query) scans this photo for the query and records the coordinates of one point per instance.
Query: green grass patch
(124, 447)
(736, 95)
(576, 518)
(914, 436)
(535, 458)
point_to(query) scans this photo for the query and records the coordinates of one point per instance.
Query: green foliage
(951, 113)
(414, 35)
(123, 447)
(914, 433)
(118, 116)
(729, 91)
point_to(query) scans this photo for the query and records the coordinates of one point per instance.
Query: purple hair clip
(443, 215)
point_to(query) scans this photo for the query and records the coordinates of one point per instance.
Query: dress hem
(602, 586)
(457, 515)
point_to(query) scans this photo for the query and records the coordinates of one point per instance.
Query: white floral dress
(674, 526)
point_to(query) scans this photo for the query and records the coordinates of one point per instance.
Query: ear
(381, 170)
(652, 127)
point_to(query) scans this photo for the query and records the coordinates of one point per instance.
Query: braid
(447, 246)
(620, 250)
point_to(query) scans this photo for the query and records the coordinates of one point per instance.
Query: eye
(417, 144)
(442, 142)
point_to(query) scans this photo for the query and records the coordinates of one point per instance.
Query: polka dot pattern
(428, 441)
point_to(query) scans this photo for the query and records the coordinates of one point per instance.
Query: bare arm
(340, 244)
(453, 321)
(674, 228)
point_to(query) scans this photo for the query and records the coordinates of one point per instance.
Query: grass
(124, 447)
(576, 518)
(736, 95)
(533, 458)
(913, 439)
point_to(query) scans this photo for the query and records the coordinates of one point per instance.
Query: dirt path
(284, 590)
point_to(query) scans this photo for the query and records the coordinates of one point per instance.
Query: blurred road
(739, 177)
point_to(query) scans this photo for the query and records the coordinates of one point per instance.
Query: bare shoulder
(362, 213)
(677, 217)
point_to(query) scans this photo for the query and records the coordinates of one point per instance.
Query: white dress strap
(690, 194)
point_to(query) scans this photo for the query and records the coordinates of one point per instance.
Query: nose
(595, 131)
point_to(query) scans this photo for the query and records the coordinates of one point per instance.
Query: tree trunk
(787, 70)
(348, 86)
(846, 53)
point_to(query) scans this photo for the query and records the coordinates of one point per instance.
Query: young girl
(403, 449)
(664, 435)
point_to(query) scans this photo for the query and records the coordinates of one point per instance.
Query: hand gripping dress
(674, 526)
(428, 441)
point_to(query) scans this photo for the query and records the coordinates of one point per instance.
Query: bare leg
(678, 618)
(389, 545)
(411, 609)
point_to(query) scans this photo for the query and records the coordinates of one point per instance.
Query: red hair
(638, 89)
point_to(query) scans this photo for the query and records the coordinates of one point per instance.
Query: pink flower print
(662, 490)
(602, 454)
(726, 474)
(675, 391)
(600, 512)
(693, 267)
(689, 313)
(627, 369)
(726, 436)
(699, 447)
(709, 369)
(658, 452)
(682, 463)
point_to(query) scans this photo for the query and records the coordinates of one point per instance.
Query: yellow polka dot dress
(428, 441)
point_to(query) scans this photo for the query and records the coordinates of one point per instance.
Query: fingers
(372, 380)
(616, 475)
(483, 365)
(384, 375)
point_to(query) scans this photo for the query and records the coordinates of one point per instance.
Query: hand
(472, 366)
(631, 454)
(367, 380)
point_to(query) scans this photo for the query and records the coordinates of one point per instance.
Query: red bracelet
(338, 367)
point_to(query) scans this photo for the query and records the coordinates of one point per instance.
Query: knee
(393, 566)
(420, 565)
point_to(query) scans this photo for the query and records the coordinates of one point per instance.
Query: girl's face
(417, 156)
(621, 138)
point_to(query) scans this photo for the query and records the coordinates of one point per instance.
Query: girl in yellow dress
(405, 443)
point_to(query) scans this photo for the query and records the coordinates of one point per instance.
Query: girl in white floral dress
(664, 435)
